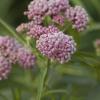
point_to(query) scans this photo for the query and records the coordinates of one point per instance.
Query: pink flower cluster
(56, 46)
(35, 31)
(12, 52)
(38, 9)
(58, 10)
(26, 58)
(50, 41)
(9, 48)
(78, 16)
(5, 68)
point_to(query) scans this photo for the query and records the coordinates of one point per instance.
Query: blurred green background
(83, 82)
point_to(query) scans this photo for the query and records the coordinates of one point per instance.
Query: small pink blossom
(59, 19)
(38, 9)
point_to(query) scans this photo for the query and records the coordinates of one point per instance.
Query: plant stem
(9, 29)
(42, 79)
(56, 91)
(16, 94)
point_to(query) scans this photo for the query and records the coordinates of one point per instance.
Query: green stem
(46, 76)
(8, 28)
(42, 79)
(16, 94)
(55, 91)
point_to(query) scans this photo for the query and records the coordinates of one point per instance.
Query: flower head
(51, 29)
(38, 9)
(5, 68)
(78, 16)
(14, 52)
(32, 30)
(57, 6)
(25, 58)
(56, 46)
(9, 48)
(35, 31)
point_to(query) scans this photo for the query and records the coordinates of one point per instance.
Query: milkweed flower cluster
(35, 31)
(38, 9)
(50, 40)
(25, 58)
(58, 10)
(12, 52)
(5, 67)
(9, 48)
(57, 46)
(78, 16)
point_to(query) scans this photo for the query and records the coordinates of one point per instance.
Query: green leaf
(47, 21)
(10, 31)
(94, 94)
